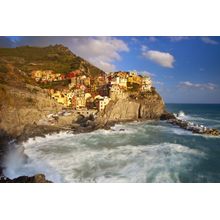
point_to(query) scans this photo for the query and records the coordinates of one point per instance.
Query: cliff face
(20, 107)
(146, 106)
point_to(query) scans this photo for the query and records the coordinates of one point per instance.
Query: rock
(80, 119)
(38, 178)
(194, 128)
(5, 139)
(167, 116)
(37, 130)
(149, 106)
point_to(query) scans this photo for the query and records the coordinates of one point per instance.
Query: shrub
(3, 68)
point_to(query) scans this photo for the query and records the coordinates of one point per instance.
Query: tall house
(146, 83)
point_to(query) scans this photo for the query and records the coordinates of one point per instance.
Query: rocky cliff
(22, 101)
(20, 107)
(144, 106)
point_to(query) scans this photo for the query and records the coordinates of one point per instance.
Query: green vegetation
(3, 68)
(57, 58)
(133, 87)
(55, 84)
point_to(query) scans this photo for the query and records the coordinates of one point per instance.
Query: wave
(183, 116)
(65, 158)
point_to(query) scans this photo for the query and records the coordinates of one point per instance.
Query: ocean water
(150, 151)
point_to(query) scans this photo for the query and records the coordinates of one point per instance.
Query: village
(82, 92)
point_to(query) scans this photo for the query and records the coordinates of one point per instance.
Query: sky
(183, 69)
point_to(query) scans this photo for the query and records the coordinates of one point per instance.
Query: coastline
(84, 125)
(43, 130)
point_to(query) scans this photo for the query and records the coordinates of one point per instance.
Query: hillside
(22, 101)
(57, 58)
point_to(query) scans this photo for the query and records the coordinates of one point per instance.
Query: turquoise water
(150, 151)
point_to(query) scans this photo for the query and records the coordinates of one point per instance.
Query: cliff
(135, 107)
(22, 101)
(20, 107)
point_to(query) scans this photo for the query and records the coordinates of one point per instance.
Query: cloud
(144, 48)
(202, 86)
(100, 51)
(152, 39)
(162, 58)
(134, 39)
(146, 73)
(208, 40)
(159, 83)
(178, 38)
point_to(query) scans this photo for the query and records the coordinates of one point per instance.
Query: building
(117, 92)
(146, 84)
(46, 76)
(102, 102)
(80, 102)
(37, 75)
(118, 78)
(134, 78)
(121, 81)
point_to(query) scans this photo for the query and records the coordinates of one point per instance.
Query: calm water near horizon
(150, 151)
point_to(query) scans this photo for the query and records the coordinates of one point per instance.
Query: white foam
(80, 163)
(105, 156)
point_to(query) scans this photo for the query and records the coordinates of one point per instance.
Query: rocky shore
(139, 108)
(38, 178)
(189, 126)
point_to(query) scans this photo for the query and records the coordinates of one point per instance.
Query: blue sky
(183, 69)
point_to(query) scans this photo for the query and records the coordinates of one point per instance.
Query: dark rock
(167, 116)
(34, 130)
(194, 128)
(80, 119)
(38, 178)
(4, 146)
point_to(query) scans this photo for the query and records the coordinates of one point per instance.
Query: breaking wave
(103, 156)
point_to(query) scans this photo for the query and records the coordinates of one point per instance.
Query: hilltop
(57, 58)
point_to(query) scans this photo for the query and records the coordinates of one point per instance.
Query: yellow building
(80, 102)
(135, 79)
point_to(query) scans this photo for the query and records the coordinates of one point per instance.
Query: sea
(144, 152)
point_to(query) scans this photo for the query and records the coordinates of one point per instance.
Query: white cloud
(208, 40)
(101, 51)
(152, 39)
(203, 86)
(159, 83)
(134, 39)
(144, 48)
(178, 38)
(162, 58)
(146, 73)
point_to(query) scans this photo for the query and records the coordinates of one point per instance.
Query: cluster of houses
(45, 76)
(84, 92)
